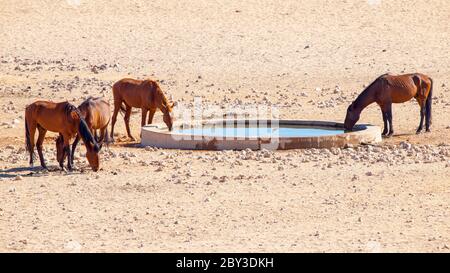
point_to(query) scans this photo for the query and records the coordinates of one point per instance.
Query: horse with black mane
(388, 89)
(63, 118)
(97, 114)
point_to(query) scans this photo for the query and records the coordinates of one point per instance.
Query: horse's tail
(117, 97)
(429, 101)
(27, 138)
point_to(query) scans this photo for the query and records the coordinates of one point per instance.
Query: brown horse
(388, 89)
(146, 95)
(97, 114)
(63, 118)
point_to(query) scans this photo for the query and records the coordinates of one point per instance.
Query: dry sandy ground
(290, 53)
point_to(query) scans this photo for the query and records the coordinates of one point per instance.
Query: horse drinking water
(388, 89)
(146, 95)
(63, 118)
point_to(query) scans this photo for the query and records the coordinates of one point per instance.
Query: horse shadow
(32, 171)
(132, 145)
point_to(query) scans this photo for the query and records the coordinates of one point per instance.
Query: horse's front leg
(69, 157)
(67, 151)
(144, 116)
(151, 115)
(74, 146)
(389, 115)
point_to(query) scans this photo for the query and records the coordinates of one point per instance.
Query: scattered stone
(405, 145)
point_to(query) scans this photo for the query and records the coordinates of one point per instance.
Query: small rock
(405, 145)
(18, 177)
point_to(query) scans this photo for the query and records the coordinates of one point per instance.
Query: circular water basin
(257, 134)
(254, 131)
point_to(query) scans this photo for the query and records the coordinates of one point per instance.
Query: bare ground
(392, 197)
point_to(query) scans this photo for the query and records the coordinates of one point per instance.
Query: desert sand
(310, 58)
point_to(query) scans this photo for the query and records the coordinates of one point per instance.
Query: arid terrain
(308, 58)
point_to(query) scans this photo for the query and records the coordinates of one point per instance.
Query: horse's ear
(74, 115)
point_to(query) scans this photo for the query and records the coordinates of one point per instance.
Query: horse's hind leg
(117, 105)
(31, 131)
(422, 116)
(385, 121)
(39, 142)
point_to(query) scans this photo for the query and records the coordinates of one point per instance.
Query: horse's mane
(86, 134)
(159, 92)
(165, 101)
(86, 102)
(68, 108)
(83, 129)
(363, 93)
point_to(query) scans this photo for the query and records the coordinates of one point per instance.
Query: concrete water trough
(257, 134)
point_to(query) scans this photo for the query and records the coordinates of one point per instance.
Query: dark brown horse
(97, 114)
(146, 95)
(388, 89)
(63, 118)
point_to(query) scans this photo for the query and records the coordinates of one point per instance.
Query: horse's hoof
(418, 132)
(428, 131)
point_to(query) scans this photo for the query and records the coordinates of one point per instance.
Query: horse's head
(168, 115)
(92, 147)
(92, 156)
(352, 117)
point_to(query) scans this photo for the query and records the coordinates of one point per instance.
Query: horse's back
(406, 86)
(50, 115)
(96, 111)
(127, 85)
(135, 93)
(45, 107)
